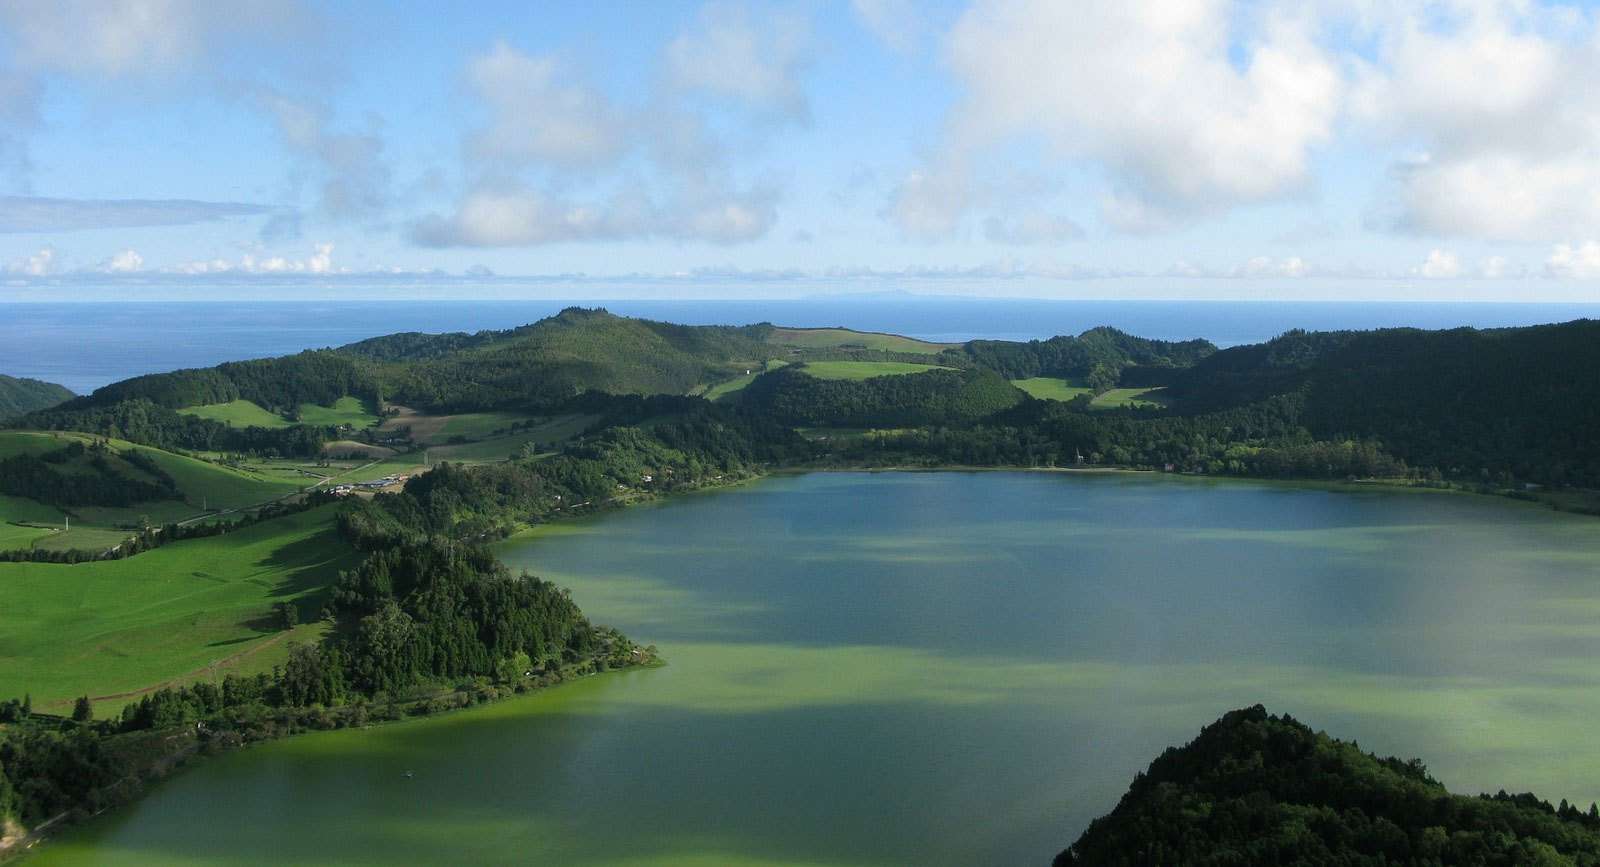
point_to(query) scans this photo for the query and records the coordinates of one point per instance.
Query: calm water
(86, 345)
(944, 669)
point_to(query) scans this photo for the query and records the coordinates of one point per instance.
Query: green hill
(1260, 789)
(1517, 401)
(553, 359)
(19, 397)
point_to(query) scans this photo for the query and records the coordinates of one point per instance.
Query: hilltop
(1260, 789)
(20, 396)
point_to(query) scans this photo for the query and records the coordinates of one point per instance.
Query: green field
(547, 433)
(843, 338)
(1118, 398)
(737, 384)
(122, 625)
(15, 536)
(345, 411)
(204, 485)
(1050, 388)
(865, 369)
(238, 413)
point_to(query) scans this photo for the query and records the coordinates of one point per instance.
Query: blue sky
(1059, 148)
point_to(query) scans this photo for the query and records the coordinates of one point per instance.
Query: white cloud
(355, 179)
(123, 262)
(1032, 228)
(540, 113)
(520, 217)
(40, 264)
(1499, 95)
(560, 161)
(1496, 267)
(27, 214)
(130, 37)
(1575, 262)
(1440, 265)
(1150, 92)
(320, 262)
(896, 22)
(1265, 266)
(753, 59)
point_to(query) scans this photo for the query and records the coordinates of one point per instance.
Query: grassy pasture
(865, 369)
(122, 625)
(238, 413)
(844, 338)
(16, 536)
(498, 448)
(217, 486)
(732, 386)
(203, 484)
(1118, 398)
(1050, 388)
(345, 411)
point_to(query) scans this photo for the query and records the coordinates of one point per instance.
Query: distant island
(370, 477)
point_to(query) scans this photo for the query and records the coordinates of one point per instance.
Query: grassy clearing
(546, 434)
(865, 369)
(737, 384)
(1118, 398)
(121, 625)
(355, 447)
(345, 411)
(1050, 388)
(844, 338)
(16, 536)
(25, 510)
(214, 485)
(204, 485)
(432, 430)
(238, 413)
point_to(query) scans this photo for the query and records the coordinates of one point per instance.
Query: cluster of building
(372, 485)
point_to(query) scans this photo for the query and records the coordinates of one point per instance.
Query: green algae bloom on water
(944, 668)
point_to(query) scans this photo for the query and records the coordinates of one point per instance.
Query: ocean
(87, 345)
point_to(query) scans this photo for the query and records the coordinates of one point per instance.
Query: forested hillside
(792, 396)
(1261, 789)
(1498, 404)
(22, 396)
(553, 359)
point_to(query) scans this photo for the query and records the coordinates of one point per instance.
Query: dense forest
(86, 475)
(20, 396)
(142, 421)
(791, 396)
(1260, 789)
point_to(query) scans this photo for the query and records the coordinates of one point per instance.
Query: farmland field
(732, 386)
(842, 338)
(238, 413)
(865, 369)
(546, 433)
(1118, 398)
(345, 411)
(120, 625)
(1050, 388)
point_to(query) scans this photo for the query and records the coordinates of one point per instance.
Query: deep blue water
(86, 345)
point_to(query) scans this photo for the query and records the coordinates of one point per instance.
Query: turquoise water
(941, 668)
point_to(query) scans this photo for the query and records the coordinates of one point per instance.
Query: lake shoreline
(187, 749)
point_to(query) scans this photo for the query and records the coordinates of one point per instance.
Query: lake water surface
(941, 668)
